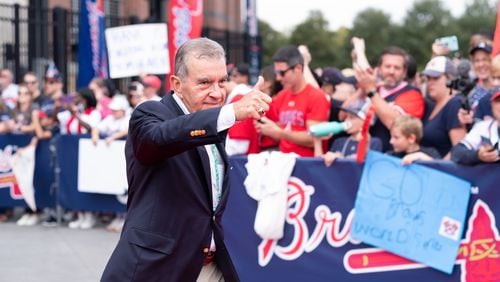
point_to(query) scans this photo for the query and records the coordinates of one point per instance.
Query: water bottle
(327, 128)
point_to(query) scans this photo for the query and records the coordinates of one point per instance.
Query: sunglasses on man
(283, 72)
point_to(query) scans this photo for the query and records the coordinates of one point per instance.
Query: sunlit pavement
(55, 254)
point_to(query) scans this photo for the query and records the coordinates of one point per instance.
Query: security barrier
(316, 245)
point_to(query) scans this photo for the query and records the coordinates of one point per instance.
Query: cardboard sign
(102, 168)
(136, 49)
(412, 211)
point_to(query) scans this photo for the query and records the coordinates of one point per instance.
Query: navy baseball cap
(481, 46)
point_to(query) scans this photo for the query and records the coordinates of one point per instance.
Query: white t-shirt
(110, 125)
(10, 95)
(70, 125)
(487, 129)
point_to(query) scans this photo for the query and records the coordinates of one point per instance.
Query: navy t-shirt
(483, 108)
(436, 130)
(348, 146)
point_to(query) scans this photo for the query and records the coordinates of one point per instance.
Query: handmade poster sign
(412, 211)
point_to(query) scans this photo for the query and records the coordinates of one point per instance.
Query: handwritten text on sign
(136, 49)
(412, 211)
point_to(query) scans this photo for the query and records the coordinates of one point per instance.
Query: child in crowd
(347, 147)
(406, 134)
(480, 145)
(114, 126)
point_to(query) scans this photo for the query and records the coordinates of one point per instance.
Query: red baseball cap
(152, 81)
(495, 96)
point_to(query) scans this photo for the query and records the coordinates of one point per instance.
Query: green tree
(343, 51)
(375, 27)
(314, 33)
(272, 40)
(424, 22)
(480, 16)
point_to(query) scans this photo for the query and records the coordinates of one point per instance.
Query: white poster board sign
(102, 168)
(136, 49)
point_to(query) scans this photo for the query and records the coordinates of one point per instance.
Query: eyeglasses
(283, 72)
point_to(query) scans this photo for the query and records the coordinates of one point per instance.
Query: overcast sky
(283, 15)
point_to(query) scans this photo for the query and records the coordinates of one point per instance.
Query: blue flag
(92, 58)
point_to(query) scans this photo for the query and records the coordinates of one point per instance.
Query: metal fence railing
(31, 36)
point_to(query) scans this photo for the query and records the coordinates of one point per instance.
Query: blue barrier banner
(43, 182)
(317, 245)
(69, 196)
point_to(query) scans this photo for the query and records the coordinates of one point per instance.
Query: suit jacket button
(205, 250)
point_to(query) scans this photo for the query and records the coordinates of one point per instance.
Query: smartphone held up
(450, 42)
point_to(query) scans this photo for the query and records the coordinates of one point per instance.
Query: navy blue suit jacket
(170, 219)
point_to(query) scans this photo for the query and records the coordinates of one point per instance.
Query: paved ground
(54, 254)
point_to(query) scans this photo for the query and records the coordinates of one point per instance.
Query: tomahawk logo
(479, 253)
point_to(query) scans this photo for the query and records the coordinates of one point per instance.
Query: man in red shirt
(295, 108)
(392, 96)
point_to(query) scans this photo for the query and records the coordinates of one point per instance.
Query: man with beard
(391, 96)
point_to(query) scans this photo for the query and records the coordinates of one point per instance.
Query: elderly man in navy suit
(177, 173)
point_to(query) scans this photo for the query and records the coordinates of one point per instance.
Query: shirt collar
(180, 103)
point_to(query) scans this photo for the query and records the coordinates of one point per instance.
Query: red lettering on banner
(299, 197)
(327, 225)
(7, 177)
(8, 180)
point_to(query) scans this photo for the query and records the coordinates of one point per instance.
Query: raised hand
(359, 56)
(253, 104)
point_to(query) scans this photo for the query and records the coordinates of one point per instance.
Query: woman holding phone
(442, 129)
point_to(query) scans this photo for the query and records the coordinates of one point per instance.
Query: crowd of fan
(438, 113)
(97, 110)
(450, 110)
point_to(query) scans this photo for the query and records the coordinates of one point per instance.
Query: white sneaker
(22, 221)
(116, 225)
(76, 223)
(89, 220)
(33, 219)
